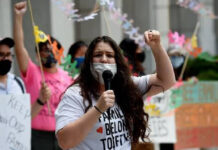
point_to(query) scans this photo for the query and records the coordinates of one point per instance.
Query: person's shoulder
(32, 64)
(13, 77)
(63, 72)
(73, 94)
(75, 88)
(18, 80)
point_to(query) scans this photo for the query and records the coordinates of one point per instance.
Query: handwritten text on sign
(163, 129)
(197, 126)
(15, 122)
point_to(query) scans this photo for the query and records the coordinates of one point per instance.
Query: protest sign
(162, 127)
(195, 109)
(15, 122)
(197, 126)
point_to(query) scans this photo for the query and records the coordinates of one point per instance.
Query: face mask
(140, 56)
(177, 61)
(5, 66)
(98, 68)
(48, 61)
(79, 61)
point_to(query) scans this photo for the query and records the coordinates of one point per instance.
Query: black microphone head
(107, 75)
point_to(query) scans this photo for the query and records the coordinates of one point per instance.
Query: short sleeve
(70, 108)
(29, 75)
(142, 83)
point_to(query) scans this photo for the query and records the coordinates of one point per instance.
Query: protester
(77, 52)
(135, 56)
(9, 83)
(44, 94)
(81, 118)
(177, 58)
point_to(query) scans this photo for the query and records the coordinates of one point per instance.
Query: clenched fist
(152, 38)
(20, 8)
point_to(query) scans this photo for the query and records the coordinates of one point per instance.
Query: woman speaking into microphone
(82, 121)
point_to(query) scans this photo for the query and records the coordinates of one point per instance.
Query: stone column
(61, 27)
(6, 22)
(6, 18)
(87, 30)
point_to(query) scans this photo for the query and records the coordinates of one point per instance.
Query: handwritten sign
(188, 93)
(202, 92)
(196, 109)
(15, 122)
(196, 137)
(163, 129)
(197, 125)
(159, 104)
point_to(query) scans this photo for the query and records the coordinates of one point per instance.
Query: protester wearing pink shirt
(56, 82)
(45, 94)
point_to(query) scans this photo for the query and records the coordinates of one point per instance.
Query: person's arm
(164, 77)
(44, 96)
(20, 50)
(73, 133)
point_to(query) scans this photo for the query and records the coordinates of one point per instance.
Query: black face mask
(140, 56)
(5, 66)
(48, 61)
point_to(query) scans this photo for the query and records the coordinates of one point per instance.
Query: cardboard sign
(197, 115)
(15, 122)
(197, 126)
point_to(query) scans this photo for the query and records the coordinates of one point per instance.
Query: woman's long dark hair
(128, 97)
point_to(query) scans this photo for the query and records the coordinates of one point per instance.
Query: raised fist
(20, 8)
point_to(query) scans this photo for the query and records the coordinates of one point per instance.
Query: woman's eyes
(107, 55)
(97, 55)
(110, 55)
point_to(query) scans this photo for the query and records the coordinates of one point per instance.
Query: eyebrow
(107, 51)
(5, 53)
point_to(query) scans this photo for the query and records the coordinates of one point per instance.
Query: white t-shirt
(72, 108)
(13, 86)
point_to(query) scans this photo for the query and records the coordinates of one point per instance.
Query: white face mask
(98, 68)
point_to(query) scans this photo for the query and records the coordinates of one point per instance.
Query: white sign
(162, 129)
(161, 118)
(15, 122)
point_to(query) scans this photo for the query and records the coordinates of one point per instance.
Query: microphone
(107, 75)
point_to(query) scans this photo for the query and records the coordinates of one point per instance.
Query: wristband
(98, 109)
(40, 102)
